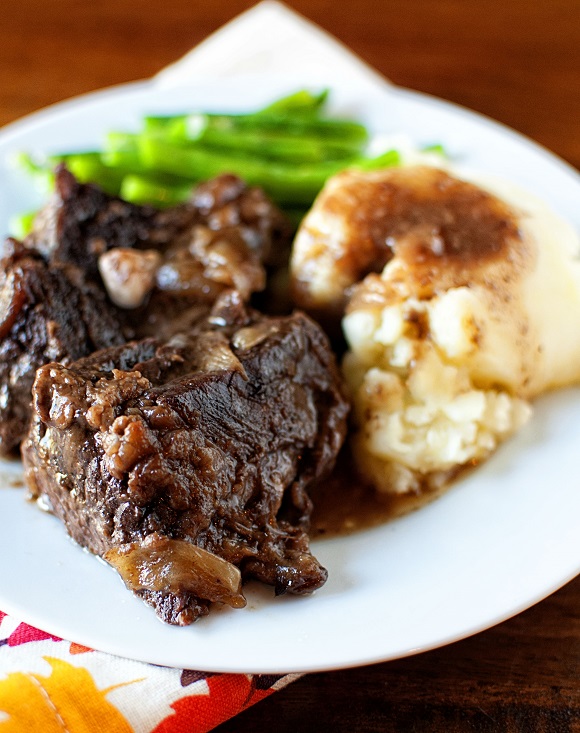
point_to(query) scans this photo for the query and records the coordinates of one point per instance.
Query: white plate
(497, 542)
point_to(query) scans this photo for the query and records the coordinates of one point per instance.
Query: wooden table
(517, 61)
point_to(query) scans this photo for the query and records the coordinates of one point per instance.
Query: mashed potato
(420, 413)
(475, 312)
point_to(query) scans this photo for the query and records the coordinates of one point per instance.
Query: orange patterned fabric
(48, 685)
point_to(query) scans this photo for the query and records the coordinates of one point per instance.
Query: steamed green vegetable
(289, 148)
(286, 183)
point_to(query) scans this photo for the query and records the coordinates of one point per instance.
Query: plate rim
(37, 118)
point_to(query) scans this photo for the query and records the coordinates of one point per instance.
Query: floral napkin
(49, 685)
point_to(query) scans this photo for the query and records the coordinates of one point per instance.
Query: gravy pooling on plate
(346, 502)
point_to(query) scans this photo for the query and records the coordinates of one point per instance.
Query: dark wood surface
(517, 61)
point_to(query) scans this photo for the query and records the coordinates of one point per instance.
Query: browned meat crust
(213, 438)
(53, 302)
(46, 315)
(81, 222)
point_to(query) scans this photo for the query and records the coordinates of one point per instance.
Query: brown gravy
(344, 503)
(425, 210)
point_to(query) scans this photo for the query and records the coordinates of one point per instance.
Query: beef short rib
(81, 222)
(162, 271)
(46, 315)
(158, 265)
(187, 464)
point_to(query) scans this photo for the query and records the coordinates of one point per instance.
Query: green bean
(173, 127)
(287, 184)
(271, 145)
(279, 146)
(384, 160)
(86, 166)
(300, 102)
(194, 125)
(184, 126)
(121, 150)
(89, 167)
(274, 144)
(288, 147)
(140, 189)
(291, 184)
(333, 128)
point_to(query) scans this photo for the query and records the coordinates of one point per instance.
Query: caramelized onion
(215, 354)
(129, 274)
(171, 566)
(250, 336)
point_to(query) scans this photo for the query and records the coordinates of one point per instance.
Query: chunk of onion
(171, 566)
